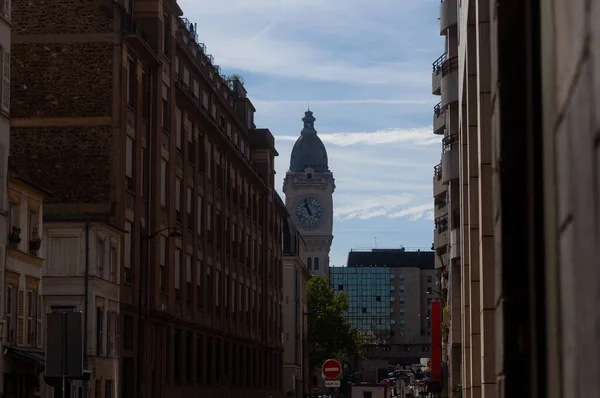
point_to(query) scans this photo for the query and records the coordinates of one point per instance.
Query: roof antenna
(375, 242)
(309, 106)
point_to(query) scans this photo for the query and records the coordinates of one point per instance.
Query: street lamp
(431, 291)
(175, 233)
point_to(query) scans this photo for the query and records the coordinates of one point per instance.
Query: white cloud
(270, 37)
(419, 136)
(415, 212)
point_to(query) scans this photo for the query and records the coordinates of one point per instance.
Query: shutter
(9, 313)
(2, 178)
(39, 322)
(20, 318)
(118, 335)
(6, 81)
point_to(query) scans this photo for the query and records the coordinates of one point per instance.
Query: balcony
(448, 15)
(436, 75)
(440, 207)
(450, 158)
(439, 119)
(137, 39)
(439, 187)
(440, 238)
(449, 83)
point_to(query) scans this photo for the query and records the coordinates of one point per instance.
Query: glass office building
(368, 290)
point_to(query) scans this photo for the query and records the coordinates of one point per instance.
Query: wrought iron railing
(438, 110)
(441, 223)
(437, 171)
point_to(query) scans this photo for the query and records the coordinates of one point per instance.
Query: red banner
(436, 340)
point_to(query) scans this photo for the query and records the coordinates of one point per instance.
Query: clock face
(309, 212)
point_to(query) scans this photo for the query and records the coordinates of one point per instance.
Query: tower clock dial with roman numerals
(309, 212)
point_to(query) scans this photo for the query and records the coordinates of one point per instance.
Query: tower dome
(309, 151)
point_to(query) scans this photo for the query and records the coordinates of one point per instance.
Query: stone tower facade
(308, 188)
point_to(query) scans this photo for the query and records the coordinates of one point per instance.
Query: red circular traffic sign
(331, 369)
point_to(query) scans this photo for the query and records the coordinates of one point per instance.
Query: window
(34, 236)
(177, 274)
(14, 216)
(99, 331)
(32, 317)
(429, 301)
(190, 206)
(391, 276)
(178, 128)
(165, 108)
(402, 310)
(401, 288)
(316, 264)
(188, 279)
(341, 287)
(209, 222)
(114, 264)
(177, 355)
(401, 321)
(392, 322)
(167, 34)
(101, 257)
(377, 298)
(200, 216)
(309, 263)
(401, 276)
(217, 287)
(109, 389)
(199, 284)
(11, 308)
(429, 279)
(127, 273)
(178, 199)
(177, 65)
(145, 95)
(186, 76)
(163, 182)
(190, 140)
(196, 90)
(109, 333)
(131, 82)
(402, 299)
(164, 275)
(129, 162)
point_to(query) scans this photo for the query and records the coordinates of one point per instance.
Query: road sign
(332, 383)
(331, 370)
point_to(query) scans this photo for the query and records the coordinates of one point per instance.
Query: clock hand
(308, 209)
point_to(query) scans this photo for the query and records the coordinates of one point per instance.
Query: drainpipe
(85, 303)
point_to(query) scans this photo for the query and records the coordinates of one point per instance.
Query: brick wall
(62, 99)
(73, 162)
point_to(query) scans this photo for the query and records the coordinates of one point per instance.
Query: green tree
(329, 334)
(237, 77)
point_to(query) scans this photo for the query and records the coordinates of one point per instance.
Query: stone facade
(123, 113)
(296, 377)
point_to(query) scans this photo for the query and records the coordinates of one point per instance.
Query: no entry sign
(331, 369)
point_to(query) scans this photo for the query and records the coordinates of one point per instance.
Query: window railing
(438, 63)
(441, 223)
(437, 110)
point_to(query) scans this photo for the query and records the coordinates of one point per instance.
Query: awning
(37, 357)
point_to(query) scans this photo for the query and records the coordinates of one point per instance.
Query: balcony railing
(130, 26)
(191, 28)
(437, 171)
(450, 142)
(437, 110)
(441, 223)
(438, 63)
(449, 66)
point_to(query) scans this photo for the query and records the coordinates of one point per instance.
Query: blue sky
(365, 68)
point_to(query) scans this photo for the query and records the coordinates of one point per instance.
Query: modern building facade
(529, 135)
(448, 189)
(308, 188)
(134, 127)
(389, 305)
(296, 376)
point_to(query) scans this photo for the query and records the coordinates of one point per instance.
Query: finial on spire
(309, 106)
(309, 120)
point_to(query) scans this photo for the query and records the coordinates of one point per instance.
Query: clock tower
(308, 188)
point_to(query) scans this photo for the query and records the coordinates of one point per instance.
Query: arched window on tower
(316, 263)
(309, 263)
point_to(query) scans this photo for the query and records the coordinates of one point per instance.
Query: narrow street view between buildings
(172, 228)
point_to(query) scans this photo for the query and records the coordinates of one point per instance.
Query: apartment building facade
(529, 135)
(447, 190)
(389, 305)
(136, 129)
(296, 376)
(23, 343)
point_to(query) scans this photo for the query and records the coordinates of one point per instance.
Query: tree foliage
(329, 334)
